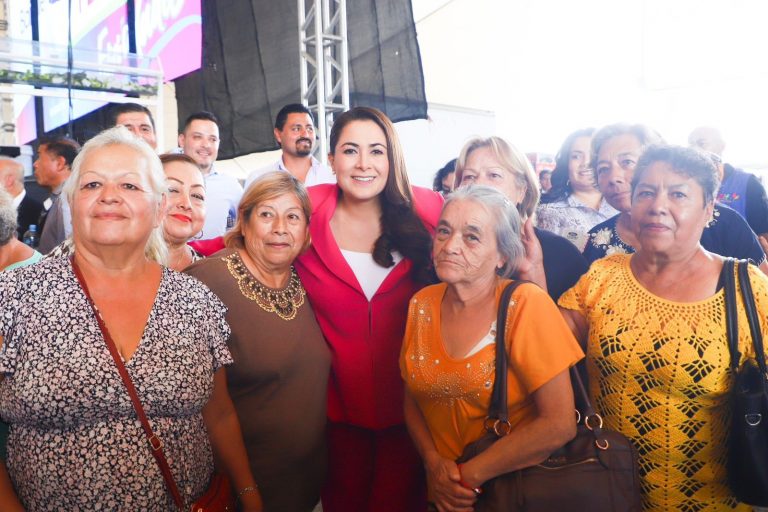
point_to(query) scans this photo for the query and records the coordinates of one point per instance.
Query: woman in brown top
(279, 378)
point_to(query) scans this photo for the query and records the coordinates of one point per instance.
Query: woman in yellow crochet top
(654, 326)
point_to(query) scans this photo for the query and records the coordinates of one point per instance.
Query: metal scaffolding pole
(324, 71)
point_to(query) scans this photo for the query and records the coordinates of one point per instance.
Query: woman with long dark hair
(574, 204)
(370, 252)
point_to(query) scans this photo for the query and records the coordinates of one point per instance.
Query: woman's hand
(531, 266)
(443, 476)
(443, 481)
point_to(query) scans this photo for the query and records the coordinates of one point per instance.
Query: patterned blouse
(659, 373)
(75, 442)
(67, 248)
(572, 219)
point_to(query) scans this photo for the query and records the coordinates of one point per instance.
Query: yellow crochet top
(659, 373)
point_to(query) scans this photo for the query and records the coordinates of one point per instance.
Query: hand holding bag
(596, 471)
(748, 435)
(218, 497)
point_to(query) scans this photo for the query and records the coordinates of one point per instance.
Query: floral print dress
(75, 442)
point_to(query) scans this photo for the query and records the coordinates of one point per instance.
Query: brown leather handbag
(596, 471)
(218, 497)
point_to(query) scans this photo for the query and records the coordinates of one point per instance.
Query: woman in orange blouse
(447, 359)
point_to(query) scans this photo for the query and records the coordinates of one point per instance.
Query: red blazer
(208, 247)
(365, 387)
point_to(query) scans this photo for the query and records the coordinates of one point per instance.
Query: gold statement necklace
(285, 303)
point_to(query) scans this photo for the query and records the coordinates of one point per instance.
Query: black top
(563, 263)
(28, 213)
(727, 235)
(756, 202)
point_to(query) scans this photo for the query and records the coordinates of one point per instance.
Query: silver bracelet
(250, 488)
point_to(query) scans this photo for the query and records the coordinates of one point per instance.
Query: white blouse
(369, 274)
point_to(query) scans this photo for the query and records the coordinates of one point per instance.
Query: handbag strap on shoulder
(754, 323)
(731, 317)
(155, 444)
(498, 409)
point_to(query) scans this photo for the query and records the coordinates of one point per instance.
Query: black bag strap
(498, 412)
(498, 409)
(731, 316)
(754, 324)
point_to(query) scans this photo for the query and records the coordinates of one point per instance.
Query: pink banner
(172, 30)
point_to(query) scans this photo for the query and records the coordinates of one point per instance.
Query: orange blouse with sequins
(454, 394)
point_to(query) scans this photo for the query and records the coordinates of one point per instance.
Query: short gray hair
(8, 217)
(156, 248)
(506, 221)
(644, 134)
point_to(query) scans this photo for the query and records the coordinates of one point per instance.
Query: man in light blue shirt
(200, 140)
(295, 133)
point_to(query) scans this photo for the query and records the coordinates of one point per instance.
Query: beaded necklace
(285, 302)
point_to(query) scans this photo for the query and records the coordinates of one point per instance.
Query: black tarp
(250, 66)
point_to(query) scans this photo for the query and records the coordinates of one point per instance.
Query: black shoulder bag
(596, 471)
(748, 435)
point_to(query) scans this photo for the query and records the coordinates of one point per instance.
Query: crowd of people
(327, 333)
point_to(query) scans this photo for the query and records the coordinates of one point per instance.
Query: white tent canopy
(532, 71)
(548, 67)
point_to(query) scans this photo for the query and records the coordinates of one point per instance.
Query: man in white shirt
(12, 181)
(295, 133)
(199, 139)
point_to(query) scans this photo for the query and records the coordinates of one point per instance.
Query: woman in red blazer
(371, 240)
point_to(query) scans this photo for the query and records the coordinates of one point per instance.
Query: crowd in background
(327, 332)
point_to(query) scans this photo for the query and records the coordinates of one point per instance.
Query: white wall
(548, 67)
(430, 144)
